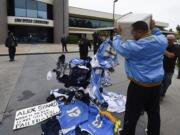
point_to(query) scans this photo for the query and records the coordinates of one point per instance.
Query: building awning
(168, 32)
(79, 30)
(104, 29)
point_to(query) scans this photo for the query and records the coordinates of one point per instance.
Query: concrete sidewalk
(27, 49)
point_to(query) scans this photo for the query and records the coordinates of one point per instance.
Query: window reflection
(42, 6)
(31, 4)
(31, 8)
(32, 13)
(88, 23)
(20, 4)
(42, 14)
(20, 12)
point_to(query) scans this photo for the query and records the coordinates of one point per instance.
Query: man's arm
(169, 54)
(120, 47)
(157, 32)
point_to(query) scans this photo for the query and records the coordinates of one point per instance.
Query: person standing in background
(11, 43)
(169, 64)
(84, 43)
(95, 42)
(64, 44)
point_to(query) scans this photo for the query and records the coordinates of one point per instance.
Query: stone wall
(3, 21)
(61, 19)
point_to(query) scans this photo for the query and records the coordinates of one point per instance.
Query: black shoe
(178, 77)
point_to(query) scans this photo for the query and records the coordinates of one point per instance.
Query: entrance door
(29, 34)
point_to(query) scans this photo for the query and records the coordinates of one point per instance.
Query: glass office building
(46, 21)
(35, 10)
(34, 21)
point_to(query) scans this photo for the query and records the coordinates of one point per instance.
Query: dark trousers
(167, 80)
(83, 54)
(140, 99)
(64, 48)
(179, 72)
(12, 52)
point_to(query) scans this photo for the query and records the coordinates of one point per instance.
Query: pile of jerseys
(116, 102)
(78, 118)
(75, 73)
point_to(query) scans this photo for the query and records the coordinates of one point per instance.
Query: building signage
(36, 114)
(30, 21)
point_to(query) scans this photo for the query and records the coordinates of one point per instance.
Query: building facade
(46, 21)
(34, 21)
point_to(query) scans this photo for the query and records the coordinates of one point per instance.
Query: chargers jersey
(72, 115)
(97, 124)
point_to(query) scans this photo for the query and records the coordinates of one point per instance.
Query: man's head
(139, 29)
(171, 39)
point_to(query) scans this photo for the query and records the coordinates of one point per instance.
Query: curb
(43, 53)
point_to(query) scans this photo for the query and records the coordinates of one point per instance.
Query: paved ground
(23, 84)
(38, 48)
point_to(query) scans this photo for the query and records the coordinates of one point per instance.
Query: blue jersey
(106, 54)
(96, 77)
(97, 124)
(72, 115)
(77, 61)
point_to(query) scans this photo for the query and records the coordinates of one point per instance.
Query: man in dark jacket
(64, 44)
(169, 64)
(83, 47)
(11, 43)
(97, 41)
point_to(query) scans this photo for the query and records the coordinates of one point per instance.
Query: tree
(178, 29)
(170, 30)
(178, 32)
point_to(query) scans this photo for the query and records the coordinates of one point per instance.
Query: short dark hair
(140, 25)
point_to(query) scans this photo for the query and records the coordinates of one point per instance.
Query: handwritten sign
(36, 114)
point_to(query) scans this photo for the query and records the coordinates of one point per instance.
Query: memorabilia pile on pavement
(83, 107)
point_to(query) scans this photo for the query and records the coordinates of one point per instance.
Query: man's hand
(169, 54)
(152, 24)
(118, 28)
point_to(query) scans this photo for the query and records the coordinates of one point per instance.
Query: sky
(162, 10)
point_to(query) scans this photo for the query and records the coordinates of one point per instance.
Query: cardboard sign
(36, 114)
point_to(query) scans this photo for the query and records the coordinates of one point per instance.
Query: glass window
(88, 23)
(31, 13)
(42, 14)
(20, 4)
(32, 4)
(42, 6)
(20, 12)
(32, 8)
